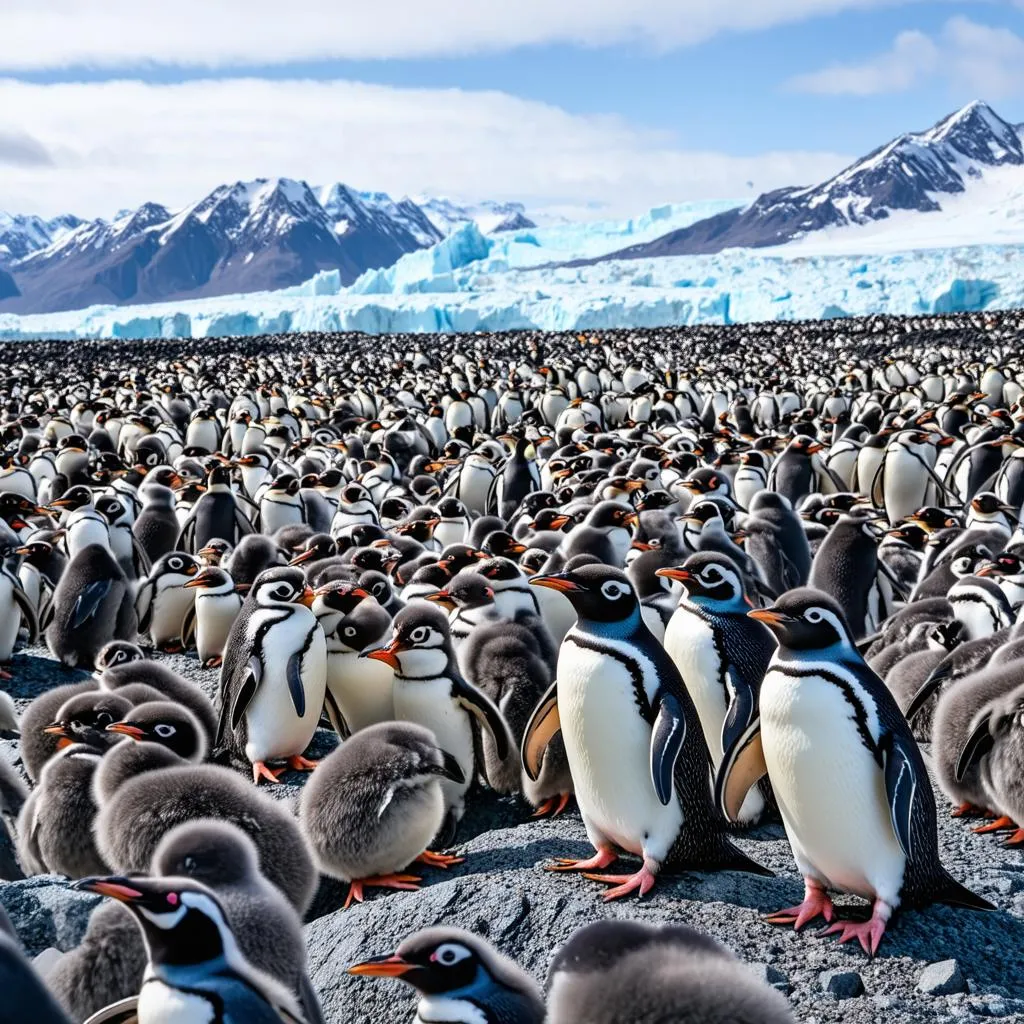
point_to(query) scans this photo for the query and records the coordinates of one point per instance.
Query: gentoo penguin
(16, 607)
(163, 599)
(431, 691)
(157, 527)
(280, 504)
(171, 725)
(453, 522)
(374, 804)
(92, 605)
(827, 724)
(518, 478)
(633, 739)
(614, 971)
(144, 790)
(36, 745)
(721, 655)
(196, 970)
(215, 516)
(461, 978)
(253, 555)
(274, 675)
(55, 827)
(208, 622)
(606, 533)
(360, 691)
(776, 541)
(26, 997)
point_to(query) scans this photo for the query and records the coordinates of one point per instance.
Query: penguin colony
(689, 581)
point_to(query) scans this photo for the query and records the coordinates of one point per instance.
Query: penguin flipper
(953, 894)
(89, 601)
(978, 744)
(188, 626)
(144, 605)
(667, 738)
(542, 728)
(28, 613)
(742, 709)
(942, 671)
(477, 703)
(247, 687)
(242, 525)
(187, 537)
(742, 766)
(294, 676)
(901, 783)
(140, 560)
(338, 721)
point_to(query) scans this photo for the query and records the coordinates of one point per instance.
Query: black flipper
(544, 724)
(28, 613)
(940, 673)
(486, 711)
(953, 894)
(338, 721)
(89, 601)
(246, 690)
(978, 744)
(667, 738)
(742, 710)
(901, 784)
(294, 674)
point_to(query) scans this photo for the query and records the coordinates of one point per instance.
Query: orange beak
(307, 597)
(388, 654)
(115, 890)
(556, 583)
(766, 615)
(680, 574)
(635, 485)
(303, 556)
(383, 967)
(126, 730)
(441, 597)
(55, 730)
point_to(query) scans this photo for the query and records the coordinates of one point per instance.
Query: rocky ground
(935, 965)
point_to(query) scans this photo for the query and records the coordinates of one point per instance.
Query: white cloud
(215, 33)
(120, 143)
(982, 60)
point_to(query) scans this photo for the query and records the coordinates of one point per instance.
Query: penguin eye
(613, 590)
(175, 563)
(450, 954)
(76, 725)
(283, 593)
(712, 575)
(418, 635)
(655, 543)
(151, 460)
(350, 631)
(164, 731)
(103, 718)
(813, 615)
(120, 656)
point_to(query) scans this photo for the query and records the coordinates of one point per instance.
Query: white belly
(451, 531)
(905, 484)
(169, 608)
(83, 532)
(427, 702)
(830, 790)
(215, 614)
(10, 619)
(608, 745)
(443, 1010)
(274, 729)
(161, 1004)
(362, 688)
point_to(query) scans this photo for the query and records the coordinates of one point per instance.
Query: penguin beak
(680, 575)
(119, 889)
(634, 485)
(559, 521)
(200, 581)
(441, 597)
(383, 967)
(307, 597)
(56, 729)
(126, 730)
(303, 556)
(388, 655)
(560, 583)
(639, 545)
(769, 616)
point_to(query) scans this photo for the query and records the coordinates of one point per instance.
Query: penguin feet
(174, 647)
(5, 675)
(868, 933)
(999, 825)
(968, 810)
(438, 860)
(1016, 839)
(215, 662)
(601, 859)
(410, 883)
(301, 764)
(554, 806)
(816, 904)
(641, 883)
(261, 771)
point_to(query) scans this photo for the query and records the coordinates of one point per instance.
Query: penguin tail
(953, 894)
(736, 860)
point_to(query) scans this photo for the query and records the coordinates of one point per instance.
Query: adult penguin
(633, 739)
(828, 725)
(518, 478)
(215, 516)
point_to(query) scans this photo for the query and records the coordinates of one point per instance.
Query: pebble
(942, 979)
(842, 984)
(772, 976)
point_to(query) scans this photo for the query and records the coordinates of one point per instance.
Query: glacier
(510, 280)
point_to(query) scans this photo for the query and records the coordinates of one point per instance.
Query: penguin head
(931, 519)
(167, 723)
(216, 853)
(182, 919)
(110, 508)
(175, 564)
(85, 717)
(421, 646)
(706, 481)
(337, 598)
(281, 585)
(599, 593)
(73, 498)
(440, 961)
(117, 652)
(805, 619)
(710, 580)
(320, 545)
(215, 552)
(467, 590)
(610, 515)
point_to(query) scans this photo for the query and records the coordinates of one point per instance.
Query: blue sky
(558, 102)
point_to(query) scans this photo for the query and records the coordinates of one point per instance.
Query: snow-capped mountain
(489, 216)
(250, 236)
(21, 235)
(922, 172)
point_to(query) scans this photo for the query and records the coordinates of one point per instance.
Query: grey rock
(942, 979)
(45, 912)
(842, 984)
(771, 975)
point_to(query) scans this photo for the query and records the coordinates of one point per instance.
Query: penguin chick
(907, 676)
(92, 605)
(171, 725)
(374, 804)
(117, 652)
(37, 745)
(84, 719)
(611, 972)
(254, 554)
(460, 978)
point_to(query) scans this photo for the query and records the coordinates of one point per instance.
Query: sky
(590, 107)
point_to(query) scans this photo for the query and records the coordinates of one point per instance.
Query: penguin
(280, 504)
(612, 971)
(616, 691)
(144, 790)
(208, 622)
(36, 745)
(26, 997)
(980, 606)
(253, 554)
(156, 528)
(519, 477)
(429, 690)
(163, 599)
(171, 725)
(16, 607)
(196, 970)
(274, 675)
(453, 522)
(721, 655)
(460, 978)
(776, 541)
(827, 724)
(606, 533)
(215, 516)
(92, 605)
(373, 805)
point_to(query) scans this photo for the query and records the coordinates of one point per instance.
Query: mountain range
(916, 172)
(246, 237)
